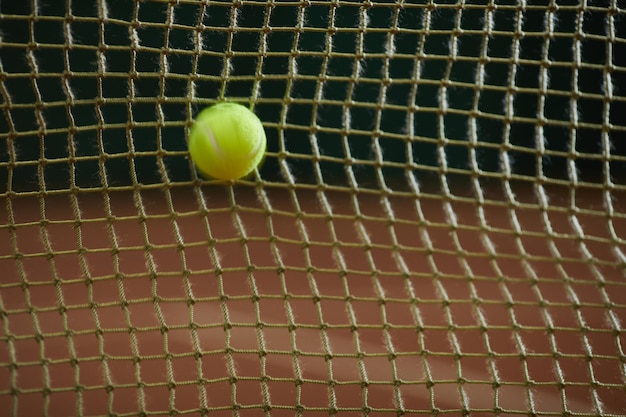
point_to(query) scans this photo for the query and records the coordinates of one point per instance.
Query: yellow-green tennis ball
(227, 141)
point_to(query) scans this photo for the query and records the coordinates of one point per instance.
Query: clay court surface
(313, 301)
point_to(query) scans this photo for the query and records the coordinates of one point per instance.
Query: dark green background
(13, 55)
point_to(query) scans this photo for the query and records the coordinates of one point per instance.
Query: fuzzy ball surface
(227, 141)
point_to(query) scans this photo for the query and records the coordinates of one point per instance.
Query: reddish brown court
(260, 300)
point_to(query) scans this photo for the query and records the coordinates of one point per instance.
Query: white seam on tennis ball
(218, 149)
(259, 144)
(214, 144)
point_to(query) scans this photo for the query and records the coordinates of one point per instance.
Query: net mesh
(438, 226)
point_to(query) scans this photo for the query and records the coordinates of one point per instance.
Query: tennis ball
(227, 141)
